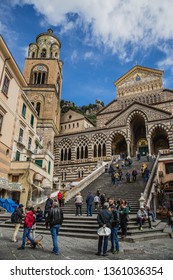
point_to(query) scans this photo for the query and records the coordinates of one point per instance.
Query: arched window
(82, 152)
(86, 152)
(62, 154)
(99, 150)
(95, 150)
(77, 152)
(65, 154)
(104, 149)
(69, 154)
(43, 53)
(38, 106)
(33, 54)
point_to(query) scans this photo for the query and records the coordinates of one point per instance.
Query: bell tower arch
(43, 73)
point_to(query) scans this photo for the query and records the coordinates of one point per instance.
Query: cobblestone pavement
(83, 249)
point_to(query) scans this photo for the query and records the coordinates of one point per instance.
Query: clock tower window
(43, 53)
(39, 78)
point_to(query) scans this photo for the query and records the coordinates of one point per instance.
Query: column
(128, 148)
(149, 145)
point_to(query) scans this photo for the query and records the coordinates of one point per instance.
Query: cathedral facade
(139, 120)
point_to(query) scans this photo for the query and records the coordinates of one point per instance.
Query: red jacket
(59, 195)
(29, 219)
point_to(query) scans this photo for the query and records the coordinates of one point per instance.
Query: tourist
(89, 202)
(114, 229)
(128, 177)
(96, 201)
(102, 199)
(39, 215)
(142, 216)
(146, 174)
(78, 203)
(149, 212)
(55, 220)
(48, 205)
(123, 216)
(104, 219)
(60, 198)
(64, 194)
(17, 222)
(28, 223)
(170, 222)
(33, 229)
(134, 174)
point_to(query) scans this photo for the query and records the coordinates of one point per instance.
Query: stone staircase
(86, 227)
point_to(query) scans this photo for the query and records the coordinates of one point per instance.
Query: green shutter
(39, 162)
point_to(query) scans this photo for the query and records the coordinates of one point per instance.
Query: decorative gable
(138, 80)
(149, 113)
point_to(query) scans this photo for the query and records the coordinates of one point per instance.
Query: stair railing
(86, 181)
(150, 185)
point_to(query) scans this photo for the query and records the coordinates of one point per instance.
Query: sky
(100, 40)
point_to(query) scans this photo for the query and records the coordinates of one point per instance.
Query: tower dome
(47, 46)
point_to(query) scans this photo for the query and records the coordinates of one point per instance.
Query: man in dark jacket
(55, 220)
(48, 205)
(104, 219)
(89, 202)
(18, 220)
(114, 230)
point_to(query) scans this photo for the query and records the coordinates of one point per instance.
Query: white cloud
(111, 24)
(88, 55)
(74, 56)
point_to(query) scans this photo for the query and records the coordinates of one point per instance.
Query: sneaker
(141, 228)
(20, 248)
(151, 227)
(97, 254)
(56, 253)
(105, 255)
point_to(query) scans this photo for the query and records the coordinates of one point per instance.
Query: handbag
(104, 231)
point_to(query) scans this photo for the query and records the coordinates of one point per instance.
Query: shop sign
(4, 183)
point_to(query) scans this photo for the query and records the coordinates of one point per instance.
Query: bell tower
(43, 73)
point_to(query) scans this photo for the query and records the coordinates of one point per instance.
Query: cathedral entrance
(142, 147)
(138, 135)
(159, 140)
(119, 145)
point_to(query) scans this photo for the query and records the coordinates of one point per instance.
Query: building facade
(29, 119)
(140, 120)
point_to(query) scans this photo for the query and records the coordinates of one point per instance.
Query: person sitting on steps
(142, 216)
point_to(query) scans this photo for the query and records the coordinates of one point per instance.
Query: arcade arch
(118, 144)
(159, 139)
(137, 128)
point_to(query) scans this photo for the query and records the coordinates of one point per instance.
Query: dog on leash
(37, 242)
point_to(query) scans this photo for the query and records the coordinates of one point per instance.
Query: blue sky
(101, 40)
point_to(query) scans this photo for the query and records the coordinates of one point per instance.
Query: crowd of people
(112, 215)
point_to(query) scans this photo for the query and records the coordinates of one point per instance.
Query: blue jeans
(54, 232)
(89, 210)
(114, 239)
(26, 234)
(105, 244)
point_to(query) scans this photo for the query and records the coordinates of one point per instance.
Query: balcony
(21, 141)
(44, 152)
(31, 149)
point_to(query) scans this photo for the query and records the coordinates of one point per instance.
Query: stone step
(142, 237)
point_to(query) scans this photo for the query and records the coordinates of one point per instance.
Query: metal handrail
(149, 184)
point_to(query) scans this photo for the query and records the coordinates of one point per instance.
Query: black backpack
(14, 217)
